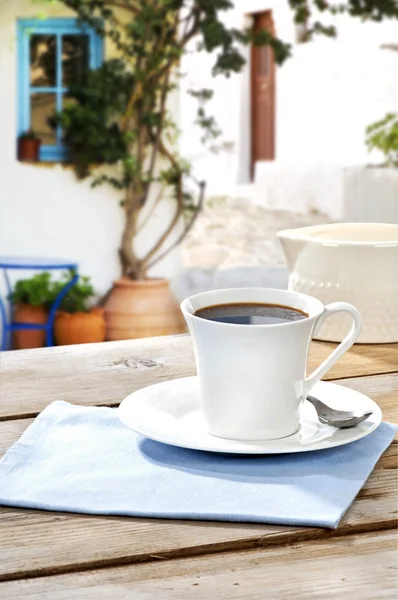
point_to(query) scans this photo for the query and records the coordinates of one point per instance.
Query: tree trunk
(130, 263)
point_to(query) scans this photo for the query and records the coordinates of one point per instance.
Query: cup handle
(345, 345)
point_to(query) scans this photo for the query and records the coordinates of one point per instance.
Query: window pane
(43, 60)
(42, 109)
(75, 60)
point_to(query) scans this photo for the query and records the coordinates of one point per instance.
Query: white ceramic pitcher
(350, 262)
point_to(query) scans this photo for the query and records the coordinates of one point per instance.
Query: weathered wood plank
(40, 542)
(360, 566)
(36, 543)
(360, 361)
(104, 374)
(90, 374)
(383, 389)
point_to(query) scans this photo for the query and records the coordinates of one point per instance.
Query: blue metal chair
(36, 264)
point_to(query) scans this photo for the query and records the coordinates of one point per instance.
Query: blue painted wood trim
(23, 79)
(58, 83)
(53, 26)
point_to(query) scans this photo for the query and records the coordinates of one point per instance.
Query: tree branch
(182, 43)
(162, 113)
(158, 74)
(186, 230)
(123, 6)
(156, 142)
(177, 215)
(151, 211)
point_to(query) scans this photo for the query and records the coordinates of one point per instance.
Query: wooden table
(58, 555)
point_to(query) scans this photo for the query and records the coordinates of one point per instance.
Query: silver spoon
(337, 418)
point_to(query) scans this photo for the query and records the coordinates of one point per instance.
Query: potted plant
(378, 180)
(75, 321)
(31, 299)
(29, 146)
(120, 119)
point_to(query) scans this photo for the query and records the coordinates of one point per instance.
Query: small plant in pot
(29, 146)
(31, 300)
(76, 322)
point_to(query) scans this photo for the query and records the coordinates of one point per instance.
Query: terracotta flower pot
(80, 327)
(28, 149)
(146, 308)
(33, 338)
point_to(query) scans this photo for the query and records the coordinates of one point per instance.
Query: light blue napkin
(79, 459)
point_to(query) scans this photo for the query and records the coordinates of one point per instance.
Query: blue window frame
(52, 54)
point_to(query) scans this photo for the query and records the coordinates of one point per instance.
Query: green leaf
(383, 136)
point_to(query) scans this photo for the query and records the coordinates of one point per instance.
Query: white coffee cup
(252, 378)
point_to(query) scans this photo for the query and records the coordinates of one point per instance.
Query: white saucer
(169, 412)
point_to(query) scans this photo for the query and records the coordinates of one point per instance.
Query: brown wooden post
(262, 95)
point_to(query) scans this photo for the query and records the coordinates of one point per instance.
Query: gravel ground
(237, 233)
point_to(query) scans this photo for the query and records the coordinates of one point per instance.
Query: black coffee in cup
(251, 314)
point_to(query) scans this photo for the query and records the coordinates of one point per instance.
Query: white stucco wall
(44, 211)
(326, 95)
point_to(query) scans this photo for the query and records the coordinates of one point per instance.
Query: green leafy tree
(312, 13)
(120, 114)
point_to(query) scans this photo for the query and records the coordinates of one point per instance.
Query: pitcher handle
(345, 345)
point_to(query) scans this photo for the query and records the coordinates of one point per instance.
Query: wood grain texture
(359, 567)
(34, 543)
(90, 374)
(104, 374)
(39, 543)
(383, 389)
(360, 361)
